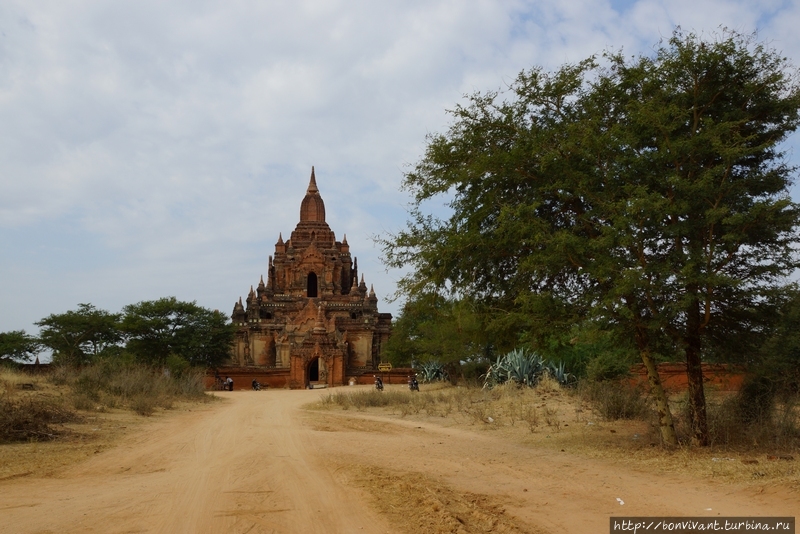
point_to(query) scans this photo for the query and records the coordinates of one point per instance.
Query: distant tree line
(150, 332)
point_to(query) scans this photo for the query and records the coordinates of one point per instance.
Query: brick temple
(313, 322)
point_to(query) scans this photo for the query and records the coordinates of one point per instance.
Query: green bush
(177, 366)
(756, 399)
(607, 366)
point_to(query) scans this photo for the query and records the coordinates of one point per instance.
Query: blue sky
(152, 149)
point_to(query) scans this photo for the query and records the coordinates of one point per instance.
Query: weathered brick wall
(673, 376)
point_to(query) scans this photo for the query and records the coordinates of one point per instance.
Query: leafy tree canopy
(78, 336)
(433, 328)
(159, 328)
(17, 346)
(647, 194)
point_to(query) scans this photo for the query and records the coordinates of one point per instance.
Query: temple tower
(311, 317)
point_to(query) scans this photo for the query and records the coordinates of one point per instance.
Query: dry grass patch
(608, 422)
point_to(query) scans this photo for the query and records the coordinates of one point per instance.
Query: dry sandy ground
(258, 462)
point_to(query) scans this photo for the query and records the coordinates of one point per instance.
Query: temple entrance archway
(313, 370)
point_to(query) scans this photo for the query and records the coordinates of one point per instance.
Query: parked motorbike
(413, 385)
(378, 383)
(256, 385)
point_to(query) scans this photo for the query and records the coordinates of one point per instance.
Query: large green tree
(159, 328)
(645, 194)
(431, 327)
(78, 336)
(17, 346)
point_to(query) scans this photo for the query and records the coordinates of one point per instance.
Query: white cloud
(158, 148)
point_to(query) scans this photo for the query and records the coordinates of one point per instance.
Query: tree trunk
(694, 376)
(697, 399)
(665, 423)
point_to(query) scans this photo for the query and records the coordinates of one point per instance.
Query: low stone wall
(243, 377)
(279, 378)
(673, 376)
(35, 367)
(395, 376)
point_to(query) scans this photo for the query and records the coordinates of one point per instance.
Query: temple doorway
(313, 370)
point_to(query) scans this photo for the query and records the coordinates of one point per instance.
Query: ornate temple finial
(362, 287)
(280, 238)
(344, 239)
(312, 184)
(371, 290)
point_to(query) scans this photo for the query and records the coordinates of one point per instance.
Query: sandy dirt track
(257, 462)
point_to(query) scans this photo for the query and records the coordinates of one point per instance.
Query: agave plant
(559, 373)
(524, 368)
(432, 371)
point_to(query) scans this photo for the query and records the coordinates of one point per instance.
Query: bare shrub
(32, 419)
(60, 375)
(83, 402)
(190, 384)
(551, 417)
(531, 416)
(731, 427)
(143, 405)
(615, 400)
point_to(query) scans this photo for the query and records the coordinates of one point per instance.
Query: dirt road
(257, 462)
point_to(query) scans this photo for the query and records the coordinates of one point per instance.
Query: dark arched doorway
(313, 370)
(311, 291)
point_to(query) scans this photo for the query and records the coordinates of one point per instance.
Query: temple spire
(312, 184)
(312, 209)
